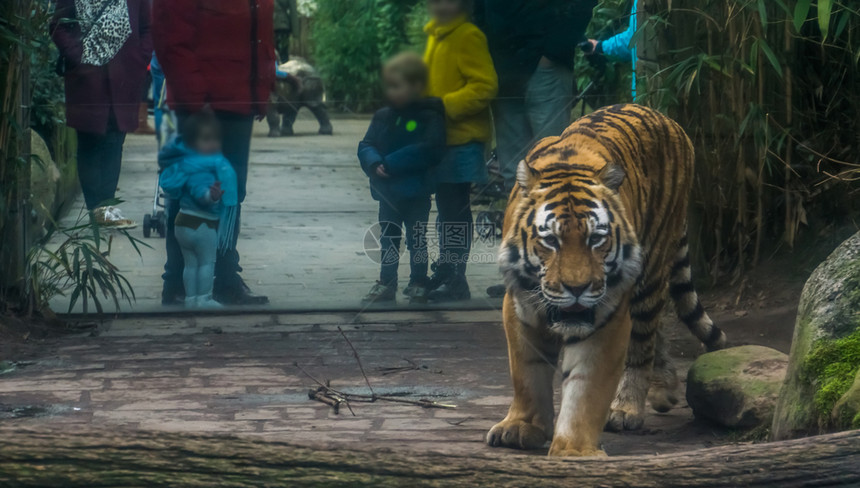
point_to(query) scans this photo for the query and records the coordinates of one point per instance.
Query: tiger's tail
(687, 303)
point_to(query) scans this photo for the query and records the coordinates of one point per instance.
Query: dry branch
(331, 396)
(92, 459)
(335, 398)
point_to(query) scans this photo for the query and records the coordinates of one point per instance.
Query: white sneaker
(206, 302)
(112, 217)
(190, 303)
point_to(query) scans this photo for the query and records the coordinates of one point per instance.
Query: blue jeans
(543, 111)
(99, 163)
(396, 218)
(236, 145)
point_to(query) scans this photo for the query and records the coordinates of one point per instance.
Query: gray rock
(44, 183)
(826, 336)
(736, 387)
(846, 412)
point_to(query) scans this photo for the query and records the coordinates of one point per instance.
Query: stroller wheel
(499, 222)
(160, 224)
(485, 225)
(147, 225)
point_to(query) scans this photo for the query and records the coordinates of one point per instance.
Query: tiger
(594, 239)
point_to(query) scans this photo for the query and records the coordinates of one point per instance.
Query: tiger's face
(572, 249)
(570, 254)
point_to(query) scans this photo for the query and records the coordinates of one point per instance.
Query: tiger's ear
(612, 176)
(525, 175)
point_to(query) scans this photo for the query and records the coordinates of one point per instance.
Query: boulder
(736, 387)
(846, 413)
(825, 349)
(44, 182)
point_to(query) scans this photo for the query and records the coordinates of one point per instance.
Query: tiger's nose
(577, 290)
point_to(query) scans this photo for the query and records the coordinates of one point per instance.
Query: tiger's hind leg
(663, 394)
(628, 408)
(687, 304)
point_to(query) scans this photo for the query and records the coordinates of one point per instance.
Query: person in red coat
(105, 47)
(218, 56)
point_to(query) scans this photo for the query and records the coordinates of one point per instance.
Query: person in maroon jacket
(105, 47)
(218, 56)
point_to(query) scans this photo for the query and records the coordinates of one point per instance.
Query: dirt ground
(238, 375)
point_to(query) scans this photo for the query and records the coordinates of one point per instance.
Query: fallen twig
(334, 398)
(413, 366)
(332, 394)
(357, 359)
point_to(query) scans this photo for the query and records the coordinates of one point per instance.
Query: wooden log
(92, 459)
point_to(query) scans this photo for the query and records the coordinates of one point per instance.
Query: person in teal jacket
(620, 46)
(194, 172)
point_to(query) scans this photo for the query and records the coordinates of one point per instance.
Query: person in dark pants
(99, 158)
(105, 48)
(404, 141)
(286, 23)
(462, 75)
(218, 56)
(533, 45)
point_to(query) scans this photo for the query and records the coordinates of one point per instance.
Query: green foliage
(46, 88)
(350, 40)
(416, 19)
(613, 78)
(767, 91)
(79, 267)
(832, 366)
(46, 110)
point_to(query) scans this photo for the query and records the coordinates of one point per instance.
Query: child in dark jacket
(404, 141)
(194, 172)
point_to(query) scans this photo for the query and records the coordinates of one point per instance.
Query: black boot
(452, 285)
(238, 293)
(441, 274)
(497, 291)
(172, 294)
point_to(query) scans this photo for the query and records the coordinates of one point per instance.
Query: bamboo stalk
(789, 146)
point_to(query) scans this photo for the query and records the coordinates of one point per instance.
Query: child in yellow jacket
(461, 73)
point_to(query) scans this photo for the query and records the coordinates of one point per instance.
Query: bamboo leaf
(768, 52)
(825, 9)
(762, 13)
(801, 13)
(74, 298)
(840, 27)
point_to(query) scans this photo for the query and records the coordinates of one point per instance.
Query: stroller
(157, 220)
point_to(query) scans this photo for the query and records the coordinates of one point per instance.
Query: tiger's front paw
(517, 434)
(566, 448)
(625, 418)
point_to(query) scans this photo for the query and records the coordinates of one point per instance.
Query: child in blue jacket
(194, 172)
(404, 141)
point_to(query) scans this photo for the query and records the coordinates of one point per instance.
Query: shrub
(350, 39)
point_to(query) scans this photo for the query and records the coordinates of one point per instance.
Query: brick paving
(235, 375)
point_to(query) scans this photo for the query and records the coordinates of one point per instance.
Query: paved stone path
(236, 375)
(303, 224)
